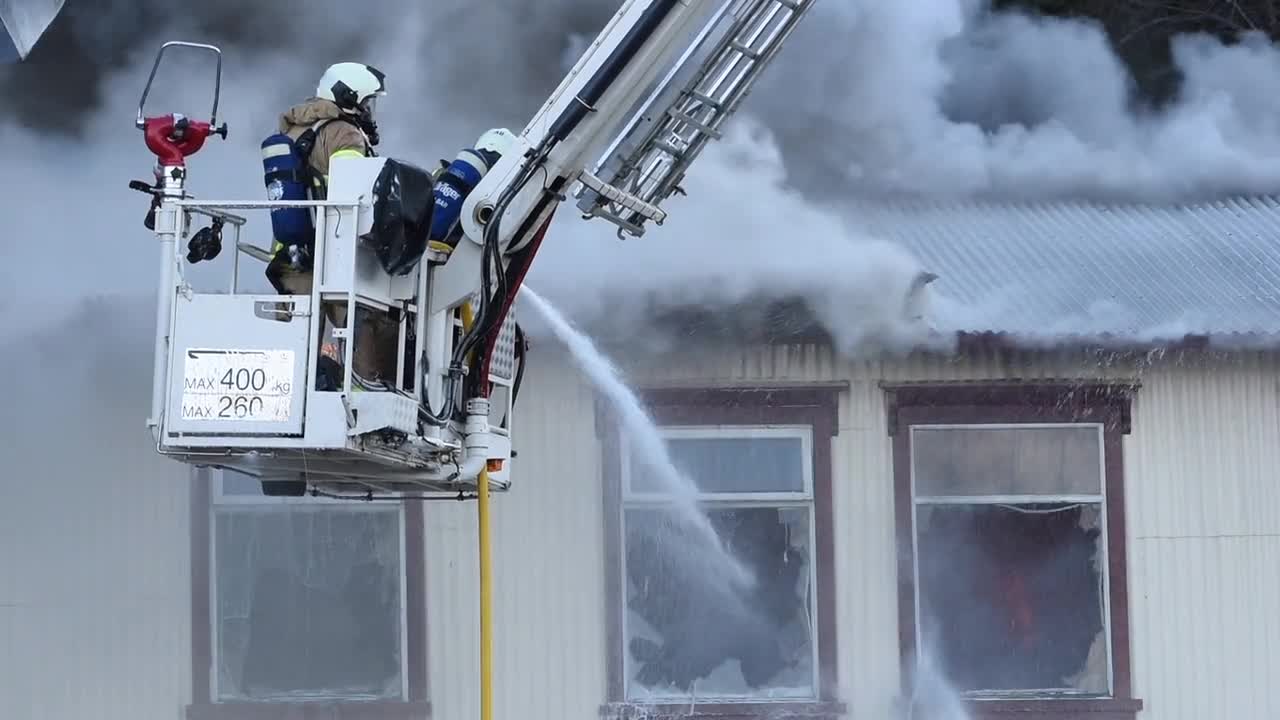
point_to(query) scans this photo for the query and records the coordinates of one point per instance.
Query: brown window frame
(815, 406)
(202, 707)
(1015, 402)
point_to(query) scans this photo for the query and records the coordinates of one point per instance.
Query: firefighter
(338, 121)
(454, 182)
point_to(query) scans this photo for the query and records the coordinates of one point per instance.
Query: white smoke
(742, 235)
(935, 97)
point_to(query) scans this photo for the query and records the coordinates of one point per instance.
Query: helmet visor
(369, 105)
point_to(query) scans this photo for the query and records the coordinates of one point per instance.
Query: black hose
(483, 318)
(515, 385)
(486, 316)
(491, 260)
(612, 67)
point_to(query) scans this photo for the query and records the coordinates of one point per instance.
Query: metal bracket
(254, 251)
(267, 307)
(622, 197)
(618, 197)
(217, 80)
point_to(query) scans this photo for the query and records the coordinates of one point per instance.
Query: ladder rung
(688, 120)
(745, 50)
(648, 174)
(706, 100)
(670, 149)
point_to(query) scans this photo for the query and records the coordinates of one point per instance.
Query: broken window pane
(1006, 461)
(688, 635)
(1011, 598)
(731, 464)
(307, 602)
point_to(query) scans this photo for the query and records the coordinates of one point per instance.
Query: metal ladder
(652, 171)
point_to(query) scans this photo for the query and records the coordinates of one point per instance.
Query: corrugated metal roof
(1080, 268)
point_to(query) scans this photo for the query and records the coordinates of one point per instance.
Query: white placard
(237, 385)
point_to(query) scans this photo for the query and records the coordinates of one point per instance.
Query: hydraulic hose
(485, 316)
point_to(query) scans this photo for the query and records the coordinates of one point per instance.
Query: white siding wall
(1204, 546)
(1204, 514)
(549, 619)
(94, 585)
(94, 552)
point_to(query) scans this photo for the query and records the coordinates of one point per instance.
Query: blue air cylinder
(284, 172)
(451, 190)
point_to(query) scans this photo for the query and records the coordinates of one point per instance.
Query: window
(305, 606)
(1011, 503)
(760, 463)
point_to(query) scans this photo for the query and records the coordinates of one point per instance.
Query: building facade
(1150, 589)
(1032, 533)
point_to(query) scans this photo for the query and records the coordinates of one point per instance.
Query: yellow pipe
(486, 605)
(486, 599)
(467, 318)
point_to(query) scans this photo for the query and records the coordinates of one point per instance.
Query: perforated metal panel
(503, 362)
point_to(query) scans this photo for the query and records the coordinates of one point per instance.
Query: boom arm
(625, 124)
(650, 128)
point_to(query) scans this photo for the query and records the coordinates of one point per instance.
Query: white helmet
(354, 87)
(498, 140)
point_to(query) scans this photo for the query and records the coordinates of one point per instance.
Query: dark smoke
(944, 98)
(67, 76)
(932, 96)
(496, 59)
